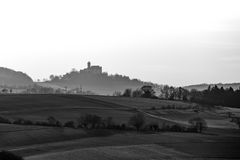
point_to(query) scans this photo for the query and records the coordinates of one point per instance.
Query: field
(221, 140)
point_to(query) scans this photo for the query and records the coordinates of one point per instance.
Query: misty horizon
(174, 43)
(44, 79)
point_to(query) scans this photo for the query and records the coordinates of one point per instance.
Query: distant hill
(204, 86)
(11, 78)
(93, 79)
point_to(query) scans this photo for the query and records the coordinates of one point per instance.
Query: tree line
(212, 95)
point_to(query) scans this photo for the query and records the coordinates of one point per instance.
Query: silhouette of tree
(137, 93)
(148, 92)
(127, 93)
(138, 120)
(198, 123)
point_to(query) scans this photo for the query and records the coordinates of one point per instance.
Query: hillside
(204, 86)
(93, 79)
(13, 78)
(70, 107)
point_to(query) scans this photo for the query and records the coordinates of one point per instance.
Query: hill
(93, 79)
(70, 107)
(11, 78)
(201, 87)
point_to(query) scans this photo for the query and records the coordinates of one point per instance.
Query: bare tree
(138, 120)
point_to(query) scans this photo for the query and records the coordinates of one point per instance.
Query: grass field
(37, 142)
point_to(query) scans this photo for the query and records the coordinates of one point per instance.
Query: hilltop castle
(92, 69)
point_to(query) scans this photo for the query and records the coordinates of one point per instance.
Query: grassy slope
(63, 107)
(216, 118)
(144, 146)
(70, 107)
(12, 136)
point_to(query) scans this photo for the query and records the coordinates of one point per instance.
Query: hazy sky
(167, 42)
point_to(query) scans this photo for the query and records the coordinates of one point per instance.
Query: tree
(148, 92)
(127, 93)
(69, 124)
(52, 121)
(117, 94)
(198, 123)
(137, 120)
(51, 77)
(108, 122)
(90, 120)
(165, 92)
(137, 93)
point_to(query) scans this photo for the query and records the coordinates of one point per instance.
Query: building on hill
(92, 69)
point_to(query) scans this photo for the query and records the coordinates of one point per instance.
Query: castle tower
(89, 65)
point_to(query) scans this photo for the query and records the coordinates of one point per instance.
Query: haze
(166, 42)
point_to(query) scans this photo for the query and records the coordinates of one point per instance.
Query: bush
(89, 120)
(22, 121)
(153, 126)
(4, 120)
(5, 155)
(173, 128)
(69, 124)
(52, 121)
(42, 123)
(138, 120)
(198, 123)
(108, 123)
(58, 124)
(177, 128)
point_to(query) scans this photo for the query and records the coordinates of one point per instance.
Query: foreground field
(139, 152)
(221, 141)
(216, 144)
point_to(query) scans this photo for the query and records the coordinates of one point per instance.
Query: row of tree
(91, 121)
(146, 92)
(213, 95)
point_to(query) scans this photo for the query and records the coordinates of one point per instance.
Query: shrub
(165, 127)
(153, 126)
(108, 122)
(4, 120)
(52, 121)
(198, 123)
(173, 128)
(42, 123)
(69, 124)
(138, 120)
(58, 124)
(89, 120)
(22, 121)
(177, 128)
(5, 155)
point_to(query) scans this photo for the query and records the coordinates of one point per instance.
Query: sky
(171, 42)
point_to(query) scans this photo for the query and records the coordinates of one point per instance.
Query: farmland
(44, 142)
